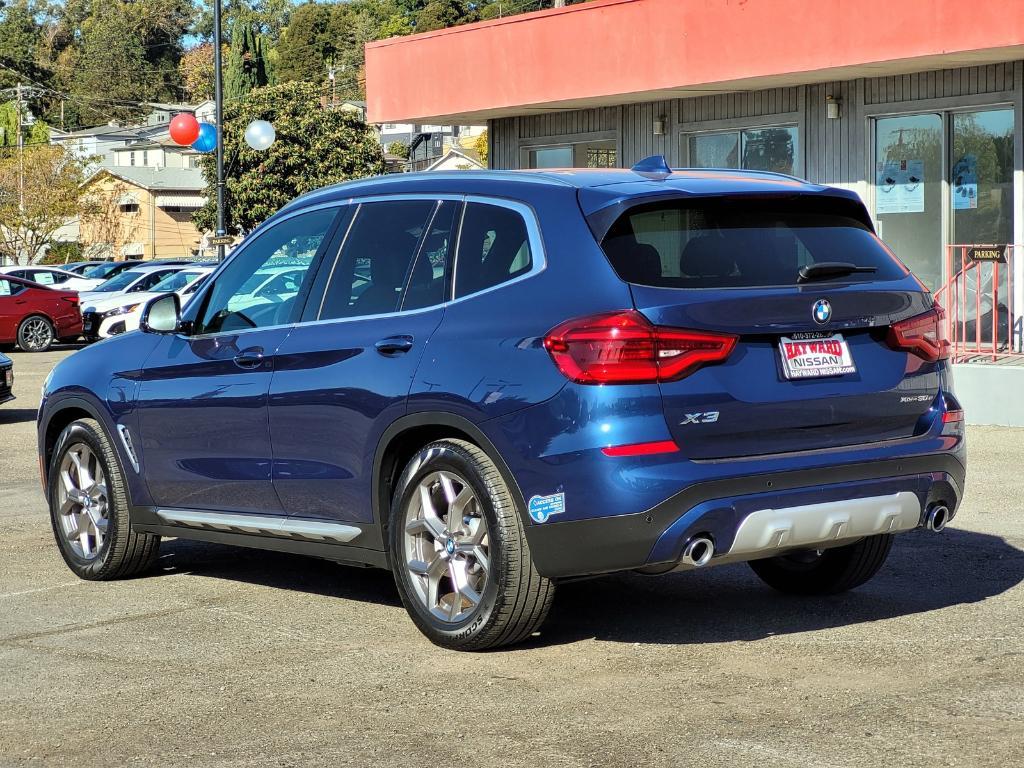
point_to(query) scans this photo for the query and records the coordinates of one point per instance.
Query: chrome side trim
(287, 527)
(768, 530)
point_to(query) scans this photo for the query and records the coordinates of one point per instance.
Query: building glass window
(981, 177)
(584, 154)
(774, 149)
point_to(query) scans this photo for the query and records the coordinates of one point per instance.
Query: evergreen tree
(246, 66)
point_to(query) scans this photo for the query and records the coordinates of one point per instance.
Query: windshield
(119, 282)
(734, 243)
(101, 271)
(175, 282)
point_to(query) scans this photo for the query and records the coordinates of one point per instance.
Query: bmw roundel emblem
(822, 311)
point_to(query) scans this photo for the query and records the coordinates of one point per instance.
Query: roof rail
(655, 167)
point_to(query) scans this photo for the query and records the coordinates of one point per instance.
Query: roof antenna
(654, 167)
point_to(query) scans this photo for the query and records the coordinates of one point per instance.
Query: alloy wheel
(82, 501)
(446, 546)
(36, 334)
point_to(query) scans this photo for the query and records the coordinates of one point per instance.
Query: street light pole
(218, 99)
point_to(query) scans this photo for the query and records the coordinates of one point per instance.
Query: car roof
(145, 269)
(595, 187)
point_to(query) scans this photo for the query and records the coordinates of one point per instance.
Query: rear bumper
(895, 494)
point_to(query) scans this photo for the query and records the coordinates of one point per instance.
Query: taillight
(624, 348)
(70, 299)
(923, 335)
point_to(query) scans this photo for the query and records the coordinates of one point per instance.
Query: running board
(285, 527)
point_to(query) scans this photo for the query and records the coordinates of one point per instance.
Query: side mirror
(161, 314)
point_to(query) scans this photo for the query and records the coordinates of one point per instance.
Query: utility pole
(218, 98)
(21, 157)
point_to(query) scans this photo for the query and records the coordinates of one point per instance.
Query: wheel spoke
(477, 552)
(83, 539)
(462, 501)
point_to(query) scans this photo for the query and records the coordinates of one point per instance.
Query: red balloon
(184, 128)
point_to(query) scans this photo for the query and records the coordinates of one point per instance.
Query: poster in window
(899, 186)
(965, 183)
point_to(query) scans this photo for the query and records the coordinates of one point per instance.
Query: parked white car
(136, 280)
(53, 277)
(120, 312)
(271, 285)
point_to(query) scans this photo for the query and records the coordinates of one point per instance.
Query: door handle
(394, 345)
(249, 358)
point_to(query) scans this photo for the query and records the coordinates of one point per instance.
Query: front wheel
(459, 552)
(825, 572)
(35, 334)
(89, 508)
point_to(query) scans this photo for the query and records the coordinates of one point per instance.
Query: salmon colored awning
(608, 52)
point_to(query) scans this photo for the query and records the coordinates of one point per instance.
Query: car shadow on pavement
(277, 569)
(16, 415)
(924, 572)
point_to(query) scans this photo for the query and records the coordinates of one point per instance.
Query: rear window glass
(740, 244)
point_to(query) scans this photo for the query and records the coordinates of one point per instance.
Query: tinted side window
(494, 247)
(10, 288)
(233, 303)
(149, 281)
(374, 262)
(428, 283)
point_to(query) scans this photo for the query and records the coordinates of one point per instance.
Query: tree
(317, 37)
(127, 53)
(197, 72)
(438, 14)
(20, 37)
(246, 67)
(399, 149)
(39, 193)
(482, 147)
(315, 147)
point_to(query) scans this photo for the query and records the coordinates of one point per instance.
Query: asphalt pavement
(234, 657)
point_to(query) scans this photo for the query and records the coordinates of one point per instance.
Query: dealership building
(917, 105)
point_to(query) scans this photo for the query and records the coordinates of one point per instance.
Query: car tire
(35, 334)
(827, 572)
(473, 586)
(89, 509)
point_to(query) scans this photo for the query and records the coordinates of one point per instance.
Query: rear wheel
(459, 553)
(89, 508)
(825, 572)
(35, 334)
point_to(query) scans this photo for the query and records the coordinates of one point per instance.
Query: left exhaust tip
(698, 551)
(937, 517)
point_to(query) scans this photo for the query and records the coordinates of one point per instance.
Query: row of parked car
(41, 305)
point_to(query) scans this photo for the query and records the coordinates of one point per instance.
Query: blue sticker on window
(543, 507)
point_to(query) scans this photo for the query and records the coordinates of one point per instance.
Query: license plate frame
(815, 356)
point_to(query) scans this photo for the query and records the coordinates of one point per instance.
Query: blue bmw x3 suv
(492, 382)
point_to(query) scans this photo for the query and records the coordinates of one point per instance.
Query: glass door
(908, 191)
(981, 195)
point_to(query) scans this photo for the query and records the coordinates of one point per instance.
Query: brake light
(624, 348)
(70, 299)
(923, 335)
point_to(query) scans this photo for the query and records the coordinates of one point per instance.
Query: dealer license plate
(9, 378)
(87, 325)
(814, 355)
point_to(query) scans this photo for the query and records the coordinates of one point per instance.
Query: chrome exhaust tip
(698, 551)
(936, 517)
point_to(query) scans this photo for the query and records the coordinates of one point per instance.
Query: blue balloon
(207, 141)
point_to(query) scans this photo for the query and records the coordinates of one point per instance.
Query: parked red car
(33, 316)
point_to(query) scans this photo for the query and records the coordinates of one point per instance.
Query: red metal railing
(978, 299)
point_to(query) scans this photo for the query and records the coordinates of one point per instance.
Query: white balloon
(260, 134)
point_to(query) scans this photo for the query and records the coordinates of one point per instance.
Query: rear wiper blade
(823, 270)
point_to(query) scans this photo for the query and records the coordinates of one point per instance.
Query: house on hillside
(142, 212)
(457, 159)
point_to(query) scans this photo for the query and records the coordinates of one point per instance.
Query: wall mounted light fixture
(659, 125)
(833, 107)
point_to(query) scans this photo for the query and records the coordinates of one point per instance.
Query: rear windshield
(731, 243)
